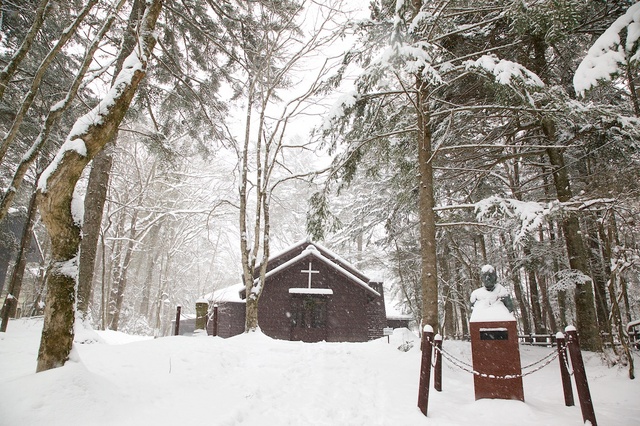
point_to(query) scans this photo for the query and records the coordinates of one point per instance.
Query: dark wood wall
(398, 323)
(231, 317)
(347, 319)
(376, 313)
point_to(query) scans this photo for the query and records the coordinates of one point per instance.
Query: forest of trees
(159, 150)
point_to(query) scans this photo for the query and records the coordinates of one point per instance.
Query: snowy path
(254, 380)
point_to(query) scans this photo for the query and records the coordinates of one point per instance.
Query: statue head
(488, 277)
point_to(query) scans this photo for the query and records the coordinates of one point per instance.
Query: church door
(309, 318)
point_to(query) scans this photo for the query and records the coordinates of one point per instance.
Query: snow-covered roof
(392, 311)
(312, 251)
(337, 258)
(227, 294)
(328, 253)
(232, 293)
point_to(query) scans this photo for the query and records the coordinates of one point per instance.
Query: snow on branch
(505, 72)
(344, 103)
(91, 131)
(611, 53)
(568, 279)
(531, 214)
(398, 57)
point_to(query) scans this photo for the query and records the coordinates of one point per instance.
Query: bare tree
(273, 49)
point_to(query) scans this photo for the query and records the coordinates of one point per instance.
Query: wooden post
(425, 369)
(580, 376)
(437, 368)
(215, 320)
(9, 305)
(177, 331)
(564, 372)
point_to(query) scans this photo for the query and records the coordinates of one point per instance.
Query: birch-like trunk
(56, 192)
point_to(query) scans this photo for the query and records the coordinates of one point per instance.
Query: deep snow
(255, 380)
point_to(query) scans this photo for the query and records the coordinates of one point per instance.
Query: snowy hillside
(254, 380)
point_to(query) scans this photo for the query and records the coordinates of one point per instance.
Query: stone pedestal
(496, 356)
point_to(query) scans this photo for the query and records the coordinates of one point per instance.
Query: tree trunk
(99, 184)
(616, 320)
(7, 72)
(42, 279)
(464, 317)
(561, 296)
(547, 312)
(15, 283)
(461, 291)
(517, 284)
(448, 320)
(429, 274)
(114, 267)
(585, 308)
(93, 210)
(248, 261)
(120, 283)
(148, 280)
(56, 192)
(600, 274)
(534, 295)
(480, 247)
(612, 238)
(103, 284)
(162, 287)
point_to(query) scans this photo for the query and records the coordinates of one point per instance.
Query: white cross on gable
(310, 271)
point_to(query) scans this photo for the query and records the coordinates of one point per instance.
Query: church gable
(312, 255)
(297, 249)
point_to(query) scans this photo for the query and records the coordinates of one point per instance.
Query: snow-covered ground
(254, 380)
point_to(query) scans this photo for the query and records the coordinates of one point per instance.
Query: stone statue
(491, 292)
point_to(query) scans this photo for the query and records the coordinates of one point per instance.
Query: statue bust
(491, 292)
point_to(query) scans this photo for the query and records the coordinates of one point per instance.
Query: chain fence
(465, 366)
